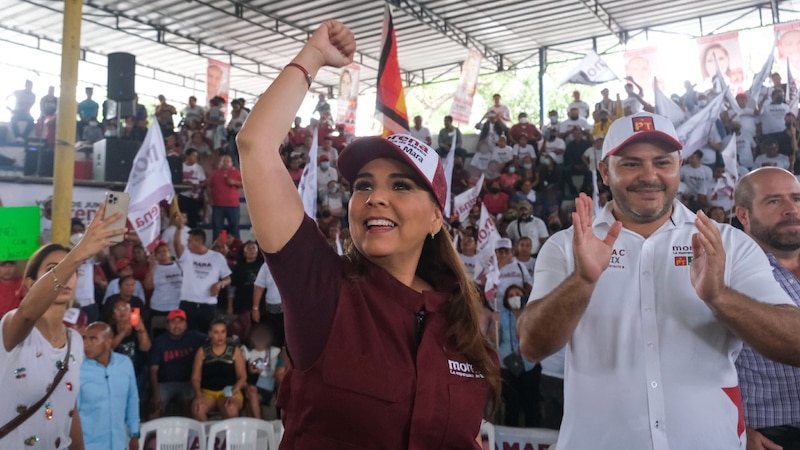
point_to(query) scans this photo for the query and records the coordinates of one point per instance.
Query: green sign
(19, 232)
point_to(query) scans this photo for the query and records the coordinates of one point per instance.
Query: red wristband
(302, 69)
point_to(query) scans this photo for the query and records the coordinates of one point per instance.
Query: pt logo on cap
(643, 124)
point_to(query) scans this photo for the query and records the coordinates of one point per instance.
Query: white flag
(724, 186)
(591, 70)
(463, 202)
(667, 108)
(754, 92)
(791, 86)
(149, 182)
(487, 260)
(339, 250)
(693, 133)
(449, 162)
(308, 181)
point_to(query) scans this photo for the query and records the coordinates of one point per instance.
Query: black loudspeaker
(121, 76)
(120, 154)
(38, 159)
(176, 168)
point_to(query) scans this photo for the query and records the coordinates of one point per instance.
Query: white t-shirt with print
(200, 272)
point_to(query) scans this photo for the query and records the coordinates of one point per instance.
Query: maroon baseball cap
(400, 147)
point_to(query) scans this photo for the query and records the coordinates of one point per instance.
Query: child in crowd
(263, 359)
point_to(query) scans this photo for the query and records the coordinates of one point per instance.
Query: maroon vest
(383, 381)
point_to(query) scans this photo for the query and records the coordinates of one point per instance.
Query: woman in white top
(35, 345)
(164, 279)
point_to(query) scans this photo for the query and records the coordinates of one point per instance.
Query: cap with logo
(640, 127)
(503, 243)
(401, 147)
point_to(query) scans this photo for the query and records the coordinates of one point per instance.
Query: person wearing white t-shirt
(579, 104)
(502, 152)
(265, 287)
(554, 146)
(512, 272)
(745, 115)
(745, 146)
(84, 291)
(164, 279)
(168, 235)
(573, 120)
(698, 178)
(524, 255)
(522, 149)
(191, 200)
(420, 132)
(205, 273)
(502, 111)
(467, 252)
(771, 157)
(325, 173)
(653, 303)
(773, 114)
(529, 226)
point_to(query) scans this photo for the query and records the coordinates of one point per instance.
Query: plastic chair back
(174, 433)
(241, 433)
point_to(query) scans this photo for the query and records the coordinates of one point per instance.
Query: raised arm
(547, 323)
(275, 206)
(43, 292)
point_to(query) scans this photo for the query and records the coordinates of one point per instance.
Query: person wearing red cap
(653, 303)
(171, 359)
(384, 342)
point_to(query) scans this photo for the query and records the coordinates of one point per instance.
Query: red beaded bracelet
(302, 69)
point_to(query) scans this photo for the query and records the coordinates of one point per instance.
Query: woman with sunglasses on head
(384, 342)
(36, 347)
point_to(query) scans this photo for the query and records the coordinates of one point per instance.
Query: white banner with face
(347, 102)
(462, 99)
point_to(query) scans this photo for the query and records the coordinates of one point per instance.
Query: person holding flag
(384, 342)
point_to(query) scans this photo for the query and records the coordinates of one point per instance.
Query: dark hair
(36, 260)
(508, 290)
(218, 321)
(125, 278)
(189, 151)
(259, 257)
(448, 117)
(198, 233)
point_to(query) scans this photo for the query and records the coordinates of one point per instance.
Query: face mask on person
(333, 189)
(324, 165)
(528, 166)
(545, 160)
(523, 120)
(553, 119)
(515, 302)
(512, 169)
(326, 213)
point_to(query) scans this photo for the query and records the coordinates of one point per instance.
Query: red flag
(390, 106)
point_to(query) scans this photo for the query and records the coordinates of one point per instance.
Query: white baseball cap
(401, 147)
(503, 243)
(642, 126)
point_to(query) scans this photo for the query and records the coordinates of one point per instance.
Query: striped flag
(390, 104)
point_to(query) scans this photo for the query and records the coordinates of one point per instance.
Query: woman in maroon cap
(384, 342)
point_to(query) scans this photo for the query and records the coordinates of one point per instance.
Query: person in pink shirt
(11, 291)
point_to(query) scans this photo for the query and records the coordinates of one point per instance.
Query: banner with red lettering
(85, 200)
(149, 183)
(461, 110)
(486, 265)
(347, 103)
(218, 79)
(722, 49)
(463, 202)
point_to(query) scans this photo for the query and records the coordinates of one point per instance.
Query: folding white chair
(487, 429)
(242, 433)
(174, 433)
(278, 426)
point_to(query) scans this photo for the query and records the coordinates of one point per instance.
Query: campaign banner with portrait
(461, 110)
(787, 40)
(347, 102)
(722, 49)
(218, 79)
(643, 65)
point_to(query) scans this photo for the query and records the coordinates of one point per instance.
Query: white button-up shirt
(649, 366)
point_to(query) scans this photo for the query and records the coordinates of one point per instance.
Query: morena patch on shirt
(463, 369)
